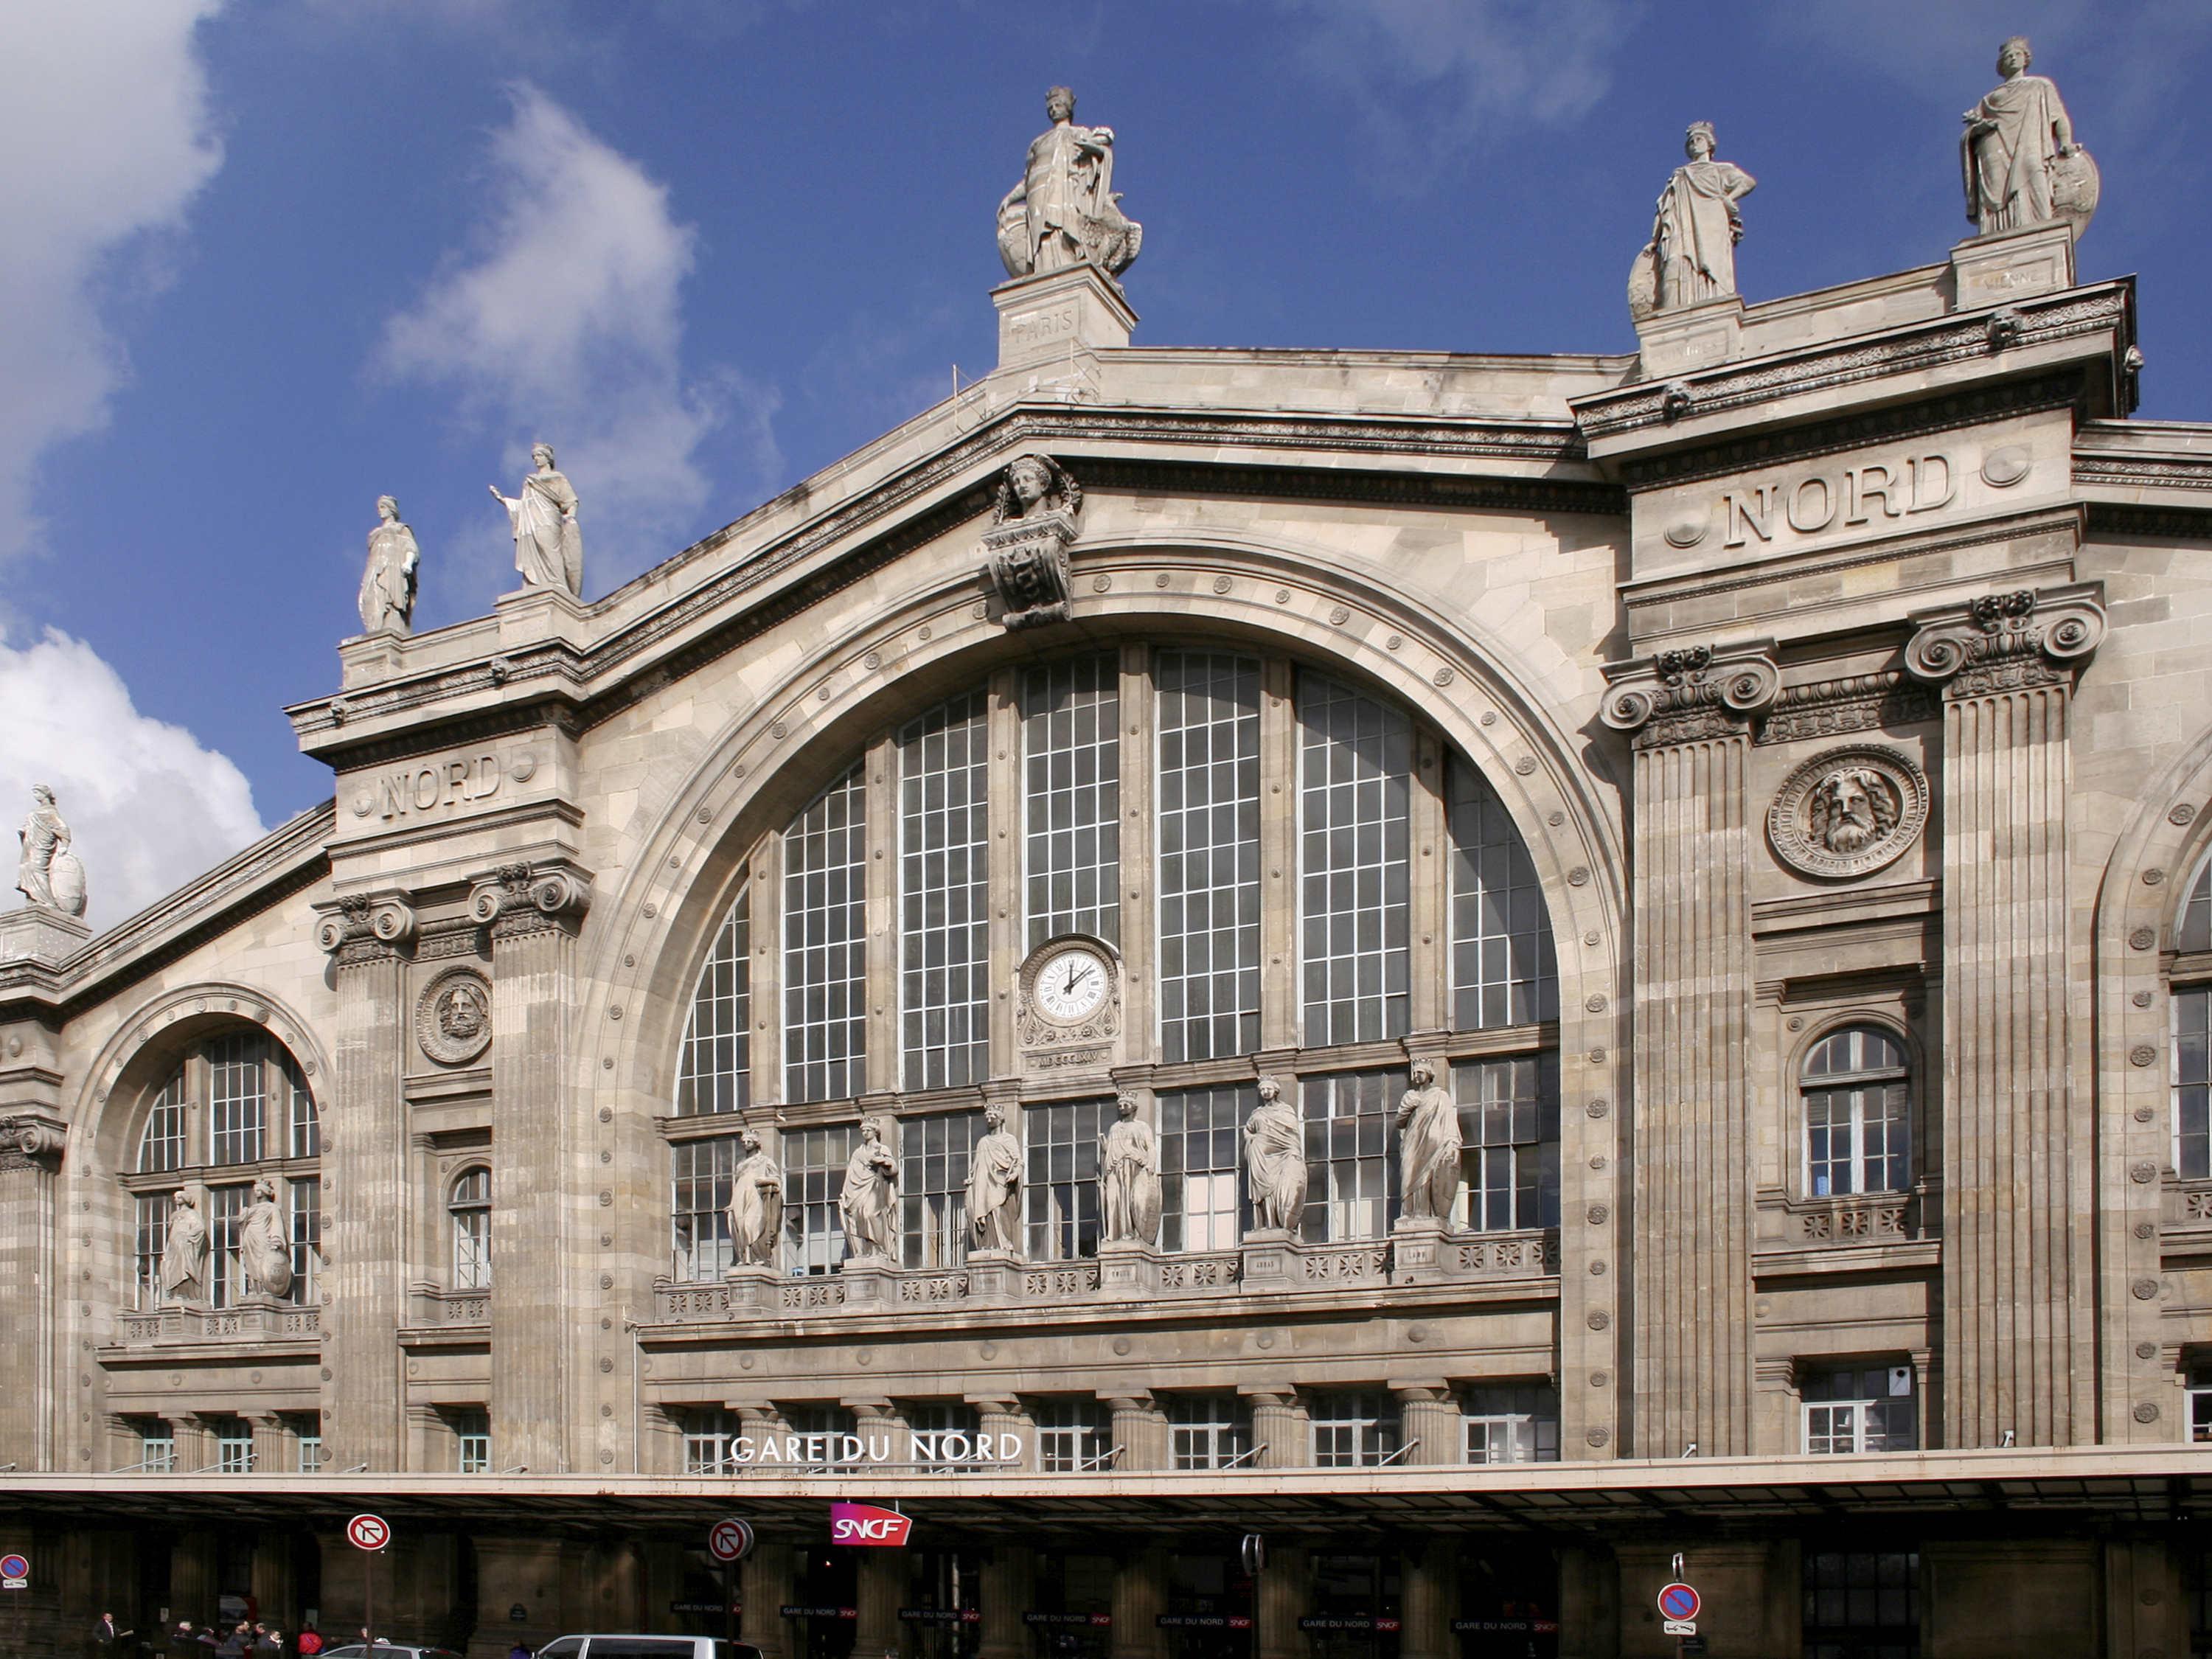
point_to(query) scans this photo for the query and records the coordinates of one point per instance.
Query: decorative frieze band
(1700, 691)
(517, 900)
(366, 927)
(2006, 642)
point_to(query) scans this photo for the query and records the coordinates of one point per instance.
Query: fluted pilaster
(30, 1155)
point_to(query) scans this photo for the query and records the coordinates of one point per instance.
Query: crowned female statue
(868, 1206)
(549, 545)
(2021, 165)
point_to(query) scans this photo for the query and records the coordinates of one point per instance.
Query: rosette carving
(2003, 641)
(1699, 691)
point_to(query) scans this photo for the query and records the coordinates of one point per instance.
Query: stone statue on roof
(48, 873)
(549, 544)
(387, 585)
(2021, 163)
(1065, 211)
(1690, 258)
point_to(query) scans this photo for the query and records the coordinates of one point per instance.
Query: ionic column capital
(1697, 691)
(2007, 641)
(522, 898)
(32, 1140)
(361, 928)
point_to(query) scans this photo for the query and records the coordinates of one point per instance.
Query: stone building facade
(1763, 778)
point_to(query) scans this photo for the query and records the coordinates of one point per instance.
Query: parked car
(388, 1651)
(645, 1647)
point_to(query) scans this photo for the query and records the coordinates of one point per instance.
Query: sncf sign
(863, 1523)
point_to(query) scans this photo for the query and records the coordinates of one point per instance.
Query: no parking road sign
(15, 1572)
(731, 1540)
(1678, 1604)
(369, 1532)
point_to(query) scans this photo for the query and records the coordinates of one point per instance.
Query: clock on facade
(1071, 983)
(1069, 997)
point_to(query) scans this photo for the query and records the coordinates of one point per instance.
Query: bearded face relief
(452, 1017)
(1848, 812)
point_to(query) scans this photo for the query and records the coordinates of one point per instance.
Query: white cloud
(104, 142)
(1430, 80)
(148, 807)
(562, 321)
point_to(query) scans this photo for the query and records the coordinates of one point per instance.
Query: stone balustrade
(277, 1322)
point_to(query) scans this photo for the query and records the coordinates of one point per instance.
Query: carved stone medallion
(452, 1017)
(1848, 812)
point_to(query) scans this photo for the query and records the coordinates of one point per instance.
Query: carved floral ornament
(1848, 812)
(452, 1017)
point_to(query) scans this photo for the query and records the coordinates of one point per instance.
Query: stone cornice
(288, 860)
(1682, 696)
(2002, 641)
(2073, 314)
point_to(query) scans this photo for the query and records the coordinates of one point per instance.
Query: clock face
(1071, 984)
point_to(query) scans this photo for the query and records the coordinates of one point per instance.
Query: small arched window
(469, 1203)
(2192, 1029)
(1858, 1114)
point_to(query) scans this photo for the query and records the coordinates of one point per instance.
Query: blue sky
(266, 261)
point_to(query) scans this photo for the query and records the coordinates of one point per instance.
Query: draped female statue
(2021, 165)
(756, 1213)
(1691, 256)
(387, 585)
(1428, 1148)
(265, 1243)
(184, 1251)
(1129, 1177)
(1275, 1161)
(549, 545)
(869, 1204)
(994, 1186)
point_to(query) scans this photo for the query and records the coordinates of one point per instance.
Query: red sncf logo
(863, 1523)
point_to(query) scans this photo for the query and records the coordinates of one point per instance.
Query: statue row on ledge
(549, 547)
(264, 1248)
(2020, 166)
(1273, 1136)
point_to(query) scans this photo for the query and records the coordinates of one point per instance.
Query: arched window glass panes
(1858, 1113)
(2192, 1031)
(1504, 971)
(1356, 764)
(237, 1110)
(944, 893)
(825, 945)
(1351, 1173)
(906, 866)
(716, 1072)
(1072, 805)
(1208, 824)
(469, 1206)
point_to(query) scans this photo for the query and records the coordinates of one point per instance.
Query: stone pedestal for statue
(1675, 342)
(869, 1281)
(751, 1287)
(993, 1275)
(1270, 1260)
(38, 933)
(531, 614)
(1028, 561)
(1417, 1249)
(1048, 320)
(2012, 264)
(1128, 1268)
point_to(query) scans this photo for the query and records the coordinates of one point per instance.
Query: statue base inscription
(38, 933)
(2012, 264)
(993, 1275)
(1046, 320)
(1671, 343)
(1127, 1268)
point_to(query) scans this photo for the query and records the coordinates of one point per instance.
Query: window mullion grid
(944, 863)
(1280, 918)
(1006, 838)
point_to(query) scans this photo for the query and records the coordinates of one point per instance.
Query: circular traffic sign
(1678, 1602)
(15, 1567)
(730, 1540)
(369, 1532)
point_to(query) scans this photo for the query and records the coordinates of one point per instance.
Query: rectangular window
(825, 945)
(238, 1098)
(707, 1432)
(931, 1420)
(1208, 1431)
(1061, 1184)
(944, 868)
(933, 1187)
(813, 1179)
(307, 1240)
(1503, 969)
(234, 1446)
(1355, 788)
(1862, 1604)
(1073, 1435)
(307, 1444)
(699, 1205)
(226, 1209)
(1509, 1122)
(162, 1145)
(832, 1422)
(1351, 1178)
(1352, 1429)
(1071, 799)
(1208, 824)
(1512, 1423)
(150, 1234)
(472, 1441)
(1861, 1409)
(2200, 1404)
(2192, 1083)
(307, 1131)
(1199, 1206)
(157, 1448)
(715, 1069)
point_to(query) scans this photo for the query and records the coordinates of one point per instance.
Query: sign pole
(729, 1600)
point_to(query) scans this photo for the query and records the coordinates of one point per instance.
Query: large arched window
(468, 1207)
(2192, 1029)
(1857, 1103)
(235, 1112)
(1273, 859)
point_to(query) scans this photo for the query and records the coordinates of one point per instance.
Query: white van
(645, 1647)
